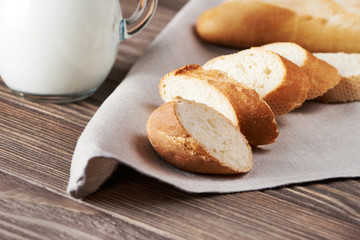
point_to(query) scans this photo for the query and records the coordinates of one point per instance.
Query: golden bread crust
(238, 24)
(348, 66)
(255, 117)
(289, 94)
(322, 75)
(293, 90)
(174, 144)
(347, 90)
(248, 23)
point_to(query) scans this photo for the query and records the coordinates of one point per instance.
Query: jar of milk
(62, 50)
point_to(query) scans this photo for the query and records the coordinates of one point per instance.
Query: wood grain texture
(30, 212)
(269, 214)
(36, 145)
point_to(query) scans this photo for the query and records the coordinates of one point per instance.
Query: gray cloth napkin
(317, 141)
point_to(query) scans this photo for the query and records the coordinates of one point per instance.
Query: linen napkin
(317, 141)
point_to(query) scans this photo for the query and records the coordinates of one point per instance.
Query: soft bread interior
(199, 91)
(288, 50)
(215, 133)
(255, 68)
(347, 64)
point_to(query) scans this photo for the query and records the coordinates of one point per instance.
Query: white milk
(71, 52)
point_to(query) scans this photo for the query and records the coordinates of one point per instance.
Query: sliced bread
(194, 137)
(348, 66)
(241, 105)
(322, 75)
(280, 82)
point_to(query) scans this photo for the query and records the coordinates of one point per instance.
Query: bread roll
(196, 138)
(278, 81)
(238, 103)
(348, 66)
(322, 75)
(317, 25)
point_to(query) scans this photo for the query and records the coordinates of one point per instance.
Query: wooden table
(36, 146)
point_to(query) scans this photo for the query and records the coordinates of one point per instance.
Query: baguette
(322, 76)
(318, 25)
(241, 105)
(196, 138)
(278, 81)
(348, 89)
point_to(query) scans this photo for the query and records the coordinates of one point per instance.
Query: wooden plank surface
(36, 145)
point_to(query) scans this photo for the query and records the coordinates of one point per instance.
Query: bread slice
(348, 66)
(322, 75)
(317, 25)
(280, 82)
(241, 105)
(194, 137)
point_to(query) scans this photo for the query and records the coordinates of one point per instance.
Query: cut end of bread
(255, 69)
(220, 137)
(191, 82)
(290, 51)
(196, 138)
(322, 76)
(280, 82)
(348, 66)
(241, 105)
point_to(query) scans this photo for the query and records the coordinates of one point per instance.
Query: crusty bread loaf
(196, 138)
(280, 82)
(322, 75)
(317, 25)
(241, 105)
(348, 66)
